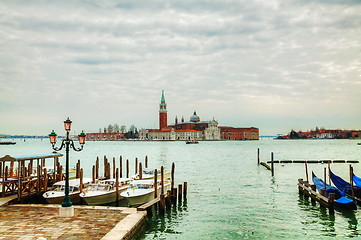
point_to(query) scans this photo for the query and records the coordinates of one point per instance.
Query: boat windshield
(142, 186)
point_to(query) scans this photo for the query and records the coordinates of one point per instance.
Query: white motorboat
(104, 192)
(148, 173)
(57, 193)
(142, 191)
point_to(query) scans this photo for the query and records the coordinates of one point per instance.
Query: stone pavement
(37, 221)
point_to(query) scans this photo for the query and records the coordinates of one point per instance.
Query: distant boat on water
(359, 143)
(192, 142)
(7, 143)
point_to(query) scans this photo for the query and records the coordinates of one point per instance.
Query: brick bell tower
(162, 113)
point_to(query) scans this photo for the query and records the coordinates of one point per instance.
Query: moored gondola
(340, 199)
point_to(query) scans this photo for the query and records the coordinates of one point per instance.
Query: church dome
(194, 117)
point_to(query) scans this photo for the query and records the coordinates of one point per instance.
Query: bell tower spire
(162, 113)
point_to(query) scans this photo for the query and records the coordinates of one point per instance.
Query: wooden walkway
(310, 191)
(314, 161)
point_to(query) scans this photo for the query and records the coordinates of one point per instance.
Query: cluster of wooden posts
(164, 200)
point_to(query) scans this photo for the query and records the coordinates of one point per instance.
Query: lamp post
(68, 143)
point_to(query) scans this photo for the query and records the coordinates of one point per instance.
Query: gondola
(346, 188)
(340, 199)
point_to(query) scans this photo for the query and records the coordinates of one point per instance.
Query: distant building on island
(323, 134)
(194, 129)
(105, 136)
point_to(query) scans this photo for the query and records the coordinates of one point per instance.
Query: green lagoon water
(229, 195)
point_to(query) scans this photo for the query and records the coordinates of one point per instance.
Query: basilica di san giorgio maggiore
(194, 129)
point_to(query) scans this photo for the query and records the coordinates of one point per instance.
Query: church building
(194, 129)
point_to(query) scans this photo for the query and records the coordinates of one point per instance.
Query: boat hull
(141, 199)
(74, 198)
(102, 199)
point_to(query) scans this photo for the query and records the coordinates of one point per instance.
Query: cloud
(227, 59)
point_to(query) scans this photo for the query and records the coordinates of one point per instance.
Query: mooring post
(324, 179)
(162, 179)
(161, 204)
(97, 168)
(329, 175)
(113, 167)
(45, 180)
(120, 166)
(272, 167)
(351, 182)
(11, 168)
(258, 156)
(93, 174)
(105, 166)
(81, 180)
(140, 171)
(331, 201)
(155, 183)
(306, 171)
(127, 168)
(136, 166)
(117, 187)
(169, 201)
(175, 190)
(108, 175)
(146, 161)
(179, 193)
(185, 190)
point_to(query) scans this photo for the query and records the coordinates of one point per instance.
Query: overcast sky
(274, 65)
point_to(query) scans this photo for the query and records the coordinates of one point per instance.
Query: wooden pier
(27, 176)
(310, 191)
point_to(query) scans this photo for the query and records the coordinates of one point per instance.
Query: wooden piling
(175, 190)
(105, 167)
(78, 169)
(172, 176)
(120, 166)
(108, 168)
(117, 187)
(179, 192)
(313, 187)
(113, 167)
(162, 180)
(45, 180)
(351, 182)
(97, 168)
(185, 190)
(329, 175)
(11, 174)
(155, 183)
(81, 179)
(146, 161)
(136, 165)
(258, 156)
(127, 168)
(162, 204)
(324, 179)
(93, 174)
(169, 201)
(272, 165)
(140, 171)
(306, 171)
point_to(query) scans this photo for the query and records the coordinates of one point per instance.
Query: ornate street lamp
(68, 143)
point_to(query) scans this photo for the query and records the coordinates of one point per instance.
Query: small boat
(192, 142)
(359, 143)
(345, 187)
(148, 173)
(7, 143)
(142, 191)
(340, 199)
(57, 193)
(104, 192)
